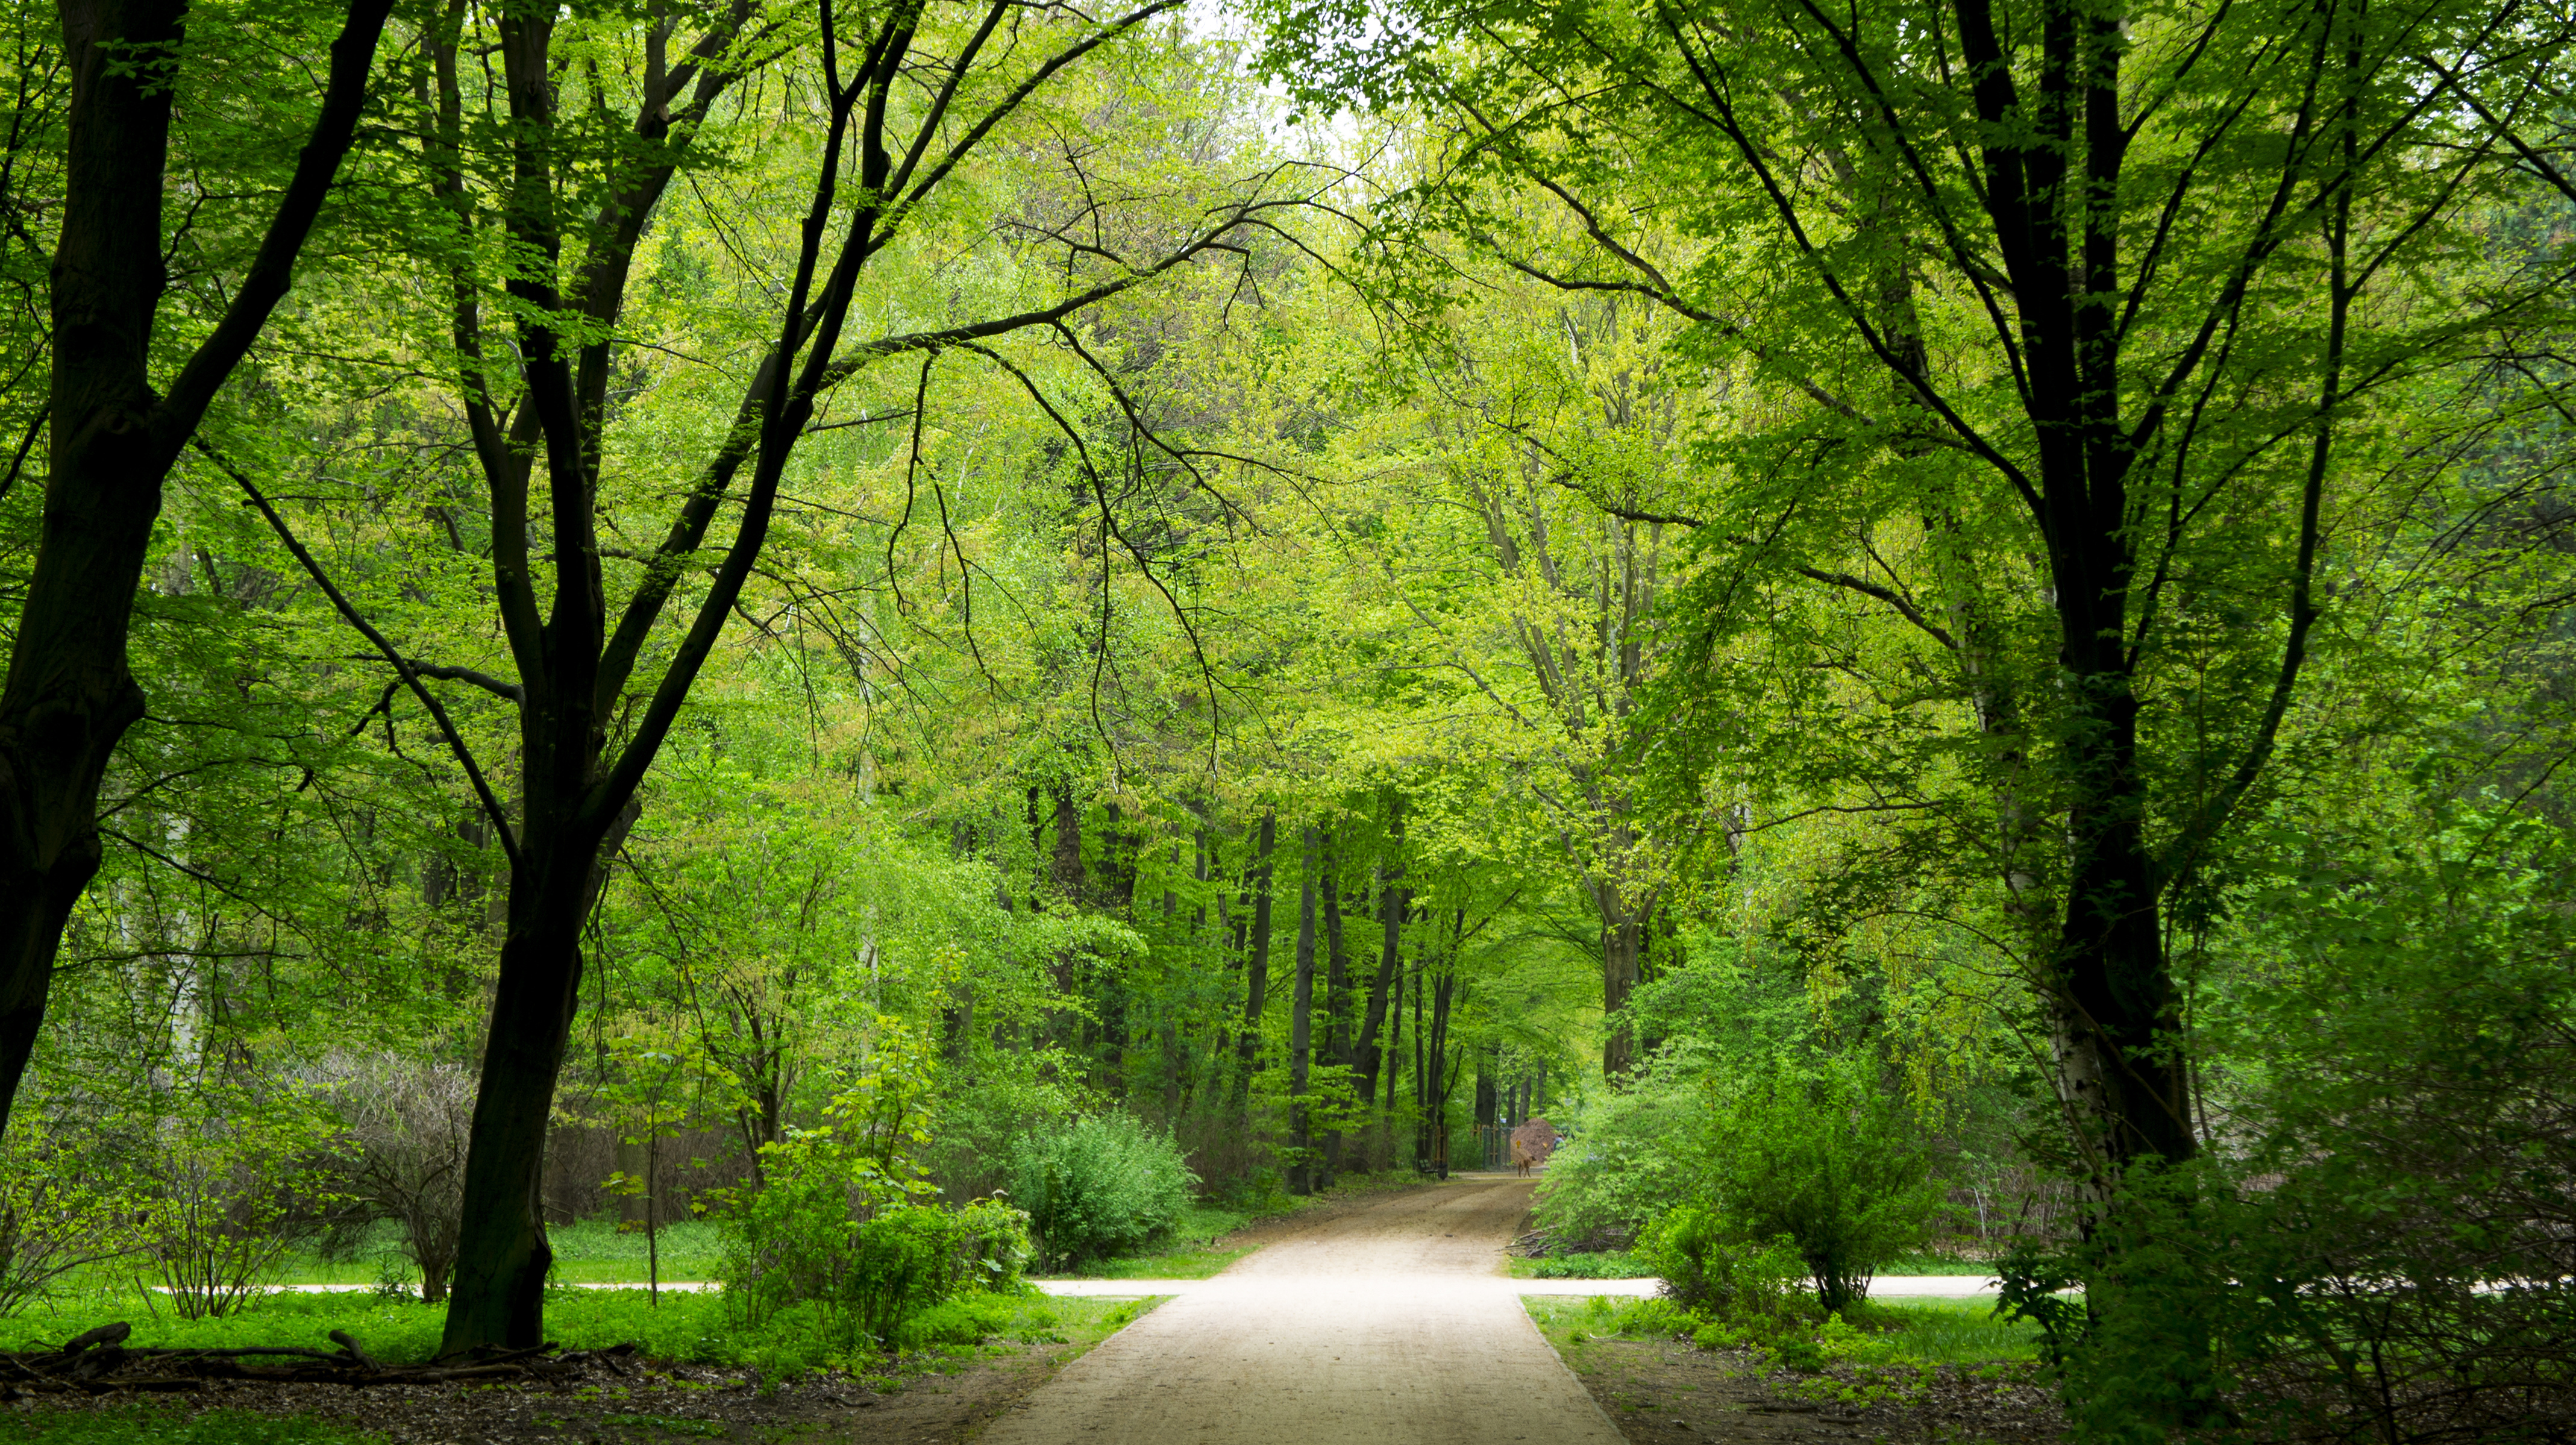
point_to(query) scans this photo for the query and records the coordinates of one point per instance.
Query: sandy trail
(1391, 1326)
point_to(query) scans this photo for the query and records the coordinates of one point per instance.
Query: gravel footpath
(1391, 1325)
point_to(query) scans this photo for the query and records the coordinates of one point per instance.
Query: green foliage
(2385, 1246)
(1608, 1264)
(227, 1189)
(1100, 1186)
(1828, 1164)
(1709, 1267)
(833, 1235)
(61, 1211)
(1633, 1153)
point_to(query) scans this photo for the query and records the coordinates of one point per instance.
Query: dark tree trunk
(1337, 994)
(1437, 1076)
(1256, 974)
(70, 694)
(1393, 900)
(1301, 1007)
(1064, 862)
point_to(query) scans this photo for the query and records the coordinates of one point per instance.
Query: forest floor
(929, 1399)
(1663, 1391)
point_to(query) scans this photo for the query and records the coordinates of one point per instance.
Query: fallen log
(98, 1362)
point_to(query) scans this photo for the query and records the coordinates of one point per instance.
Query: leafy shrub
(1709, 1269)
(837, 1235)
(58, 1212)
(228, 1190)
(1102, 1186)
(1829, 1164)
(2384, 1248)
(1631, 1153)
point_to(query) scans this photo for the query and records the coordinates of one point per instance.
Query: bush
(1630, 1155)
(58, 1212)
(1710, 1270)
(2383, 1247)
(228, 1191)
(1103, 1186)
(1830, 1165)
(407, 1123)
(838, 1233)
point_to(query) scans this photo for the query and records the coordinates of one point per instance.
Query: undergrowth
(1872, 1336)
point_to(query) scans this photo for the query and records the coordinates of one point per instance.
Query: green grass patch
(589, 1251)
(1194, 1247)
(1943, 1264)
(1964, 1333)
(1938, 1332)
(163, 1424)
(696, 1327)
(1610, 1264)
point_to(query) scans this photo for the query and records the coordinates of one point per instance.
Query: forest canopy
(747, 609)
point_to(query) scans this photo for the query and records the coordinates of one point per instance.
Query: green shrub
(836, 1234)
(1631, 1154)
(1711, 1269)
(1830, 1164)
(1102, 1186)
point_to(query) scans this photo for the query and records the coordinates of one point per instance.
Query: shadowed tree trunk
(1393, 899)
(70, 694)
(1256, 973)
(1301, 1007)
(1337, 994)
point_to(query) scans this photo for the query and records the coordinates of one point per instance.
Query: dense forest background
(1319, 582)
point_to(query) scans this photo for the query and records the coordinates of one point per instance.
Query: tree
(895, 110)
(70, 694)
(2054, 324)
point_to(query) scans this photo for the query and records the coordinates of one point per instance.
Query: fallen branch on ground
(97, 1362)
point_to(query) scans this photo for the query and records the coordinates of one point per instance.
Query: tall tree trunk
(1337, 994)
(1436, 1106)
(1256, 973)
(1301, 1173)
(70, 694)
(1393, 899)
(1623, 942)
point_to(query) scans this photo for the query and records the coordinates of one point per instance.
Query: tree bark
(1301, 1172)
(1337, 993)
(1256, 973)
(70, 693)
(1623, 941)
(1393, 900)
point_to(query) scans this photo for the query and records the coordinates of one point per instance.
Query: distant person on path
(1532, 1142)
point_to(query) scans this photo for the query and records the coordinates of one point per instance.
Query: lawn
(1195, 1247)
(699, 1328)
(1915, 1333)
(589, 1251)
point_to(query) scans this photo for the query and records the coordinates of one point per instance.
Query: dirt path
(1391, 1326)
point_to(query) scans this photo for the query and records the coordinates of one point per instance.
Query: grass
(1946, 1264)
(1917, 1333)
(694, 1327)
(1194, 1247)
(1610, 1264)
(158, 1423)
(589, 1251)
(1939, 1332)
